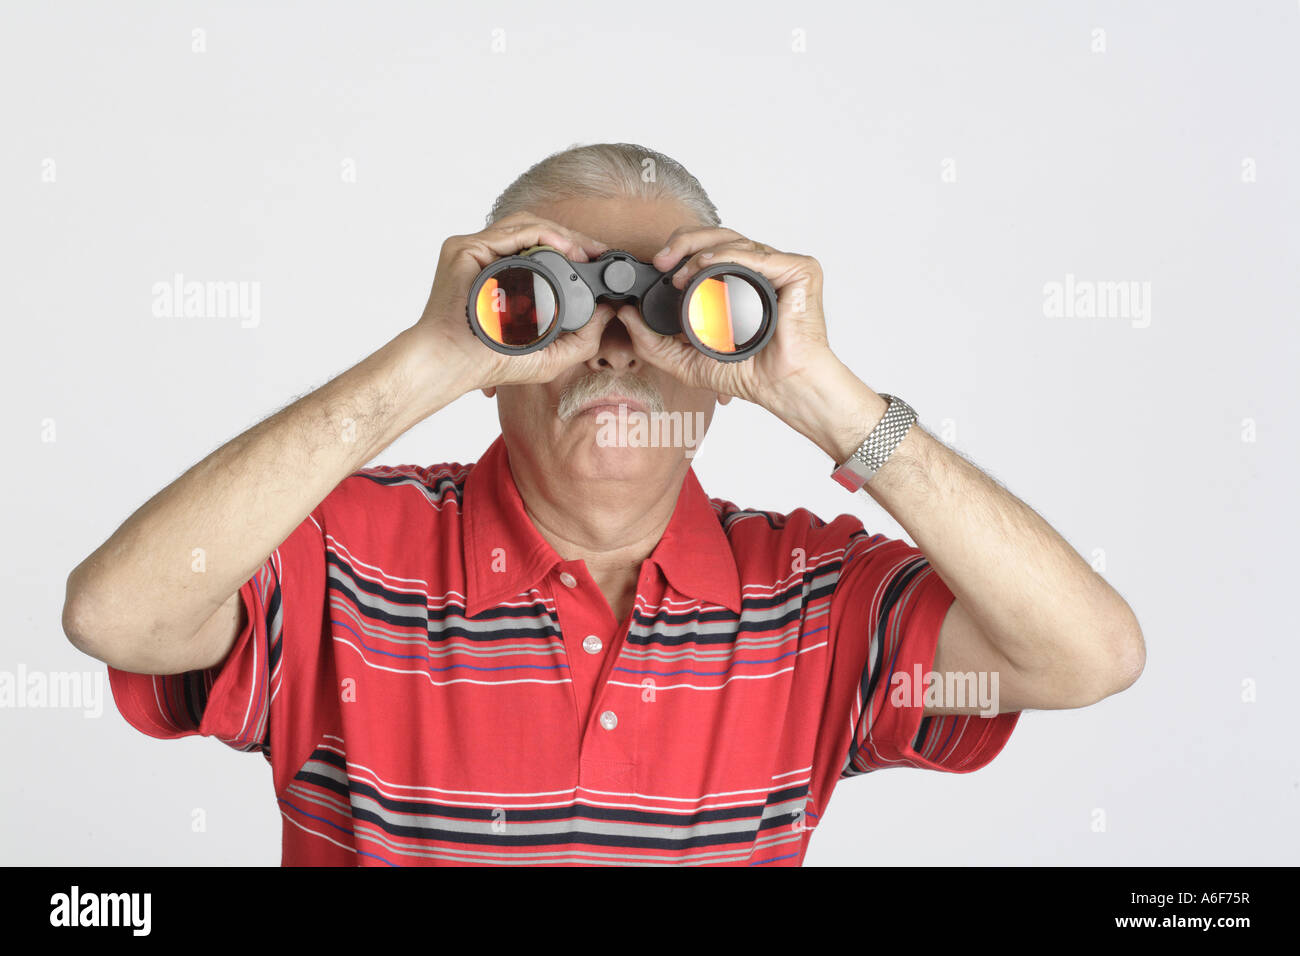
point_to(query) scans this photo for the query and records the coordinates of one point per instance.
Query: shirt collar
(506, 555)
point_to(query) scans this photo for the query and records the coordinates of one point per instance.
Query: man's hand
(798, 349)
(462, 259)
(796, 377)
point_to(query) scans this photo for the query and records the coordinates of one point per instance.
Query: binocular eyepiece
(521, 303)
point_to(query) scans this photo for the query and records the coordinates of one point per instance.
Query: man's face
(556, 425)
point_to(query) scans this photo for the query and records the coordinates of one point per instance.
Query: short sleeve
(232, 701)
(886, 612)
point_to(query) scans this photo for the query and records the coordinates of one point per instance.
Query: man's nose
(615, 353)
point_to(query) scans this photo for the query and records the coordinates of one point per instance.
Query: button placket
(581, 632)
(612, 738)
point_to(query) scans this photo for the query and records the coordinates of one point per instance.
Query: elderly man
(566, 653)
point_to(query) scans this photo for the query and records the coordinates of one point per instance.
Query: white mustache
(601, 384)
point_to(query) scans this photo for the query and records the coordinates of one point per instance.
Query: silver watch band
(872, 454)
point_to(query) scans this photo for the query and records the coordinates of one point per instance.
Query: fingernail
(706, 255)
(661, 252)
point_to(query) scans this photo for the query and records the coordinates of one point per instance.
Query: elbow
(95, 623)
(89, 613)
(1108, 660)
(1125, 657)
(1103, 668)
(1130, 652)
(74, 614)
(77, 616)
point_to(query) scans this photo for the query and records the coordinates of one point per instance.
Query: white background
(1122, 165)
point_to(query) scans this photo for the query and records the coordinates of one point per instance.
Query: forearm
(186, 550)
(1029, 591)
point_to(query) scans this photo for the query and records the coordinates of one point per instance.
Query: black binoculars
(521, 303)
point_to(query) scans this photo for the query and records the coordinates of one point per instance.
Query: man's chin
(587, 457)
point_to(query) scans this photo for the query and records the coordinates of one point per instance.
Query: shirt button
(591, 644)
(568, 580)
(609, 720)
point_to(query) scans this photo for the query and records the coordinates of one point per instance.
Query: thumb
(662, 351)
(570, 348)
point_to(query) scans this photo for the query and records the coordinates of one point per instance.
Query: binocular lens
(516, 307)
(726, 313)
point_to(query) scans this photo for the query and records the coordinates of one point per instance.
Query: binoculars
(522, 303)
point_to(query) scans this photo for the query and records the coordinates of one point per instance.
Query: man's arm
(137, 604)
(1027, 606)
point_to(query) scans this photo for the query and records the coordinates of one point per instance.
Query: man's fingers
(688, 242)
(511, 235)
(665, 352)
(777, 267)
(570, 348)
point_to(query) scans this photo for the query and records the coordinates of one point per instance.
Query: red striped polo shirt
(433, 684)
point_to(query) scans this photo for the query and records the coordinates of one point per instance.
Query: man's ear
(723, 399)
(489, 391)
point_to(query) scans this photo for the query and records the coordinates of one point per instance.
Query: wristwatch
(878, 446)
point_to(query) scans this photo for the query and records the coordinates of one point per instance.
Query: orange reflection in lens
(489, 319)
(515, 307)
(709, 313)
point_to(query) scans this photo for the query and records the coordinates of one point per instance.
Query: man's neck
(611, 525)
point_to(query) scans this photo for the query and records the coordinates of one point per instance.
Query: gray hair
(606, 171)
